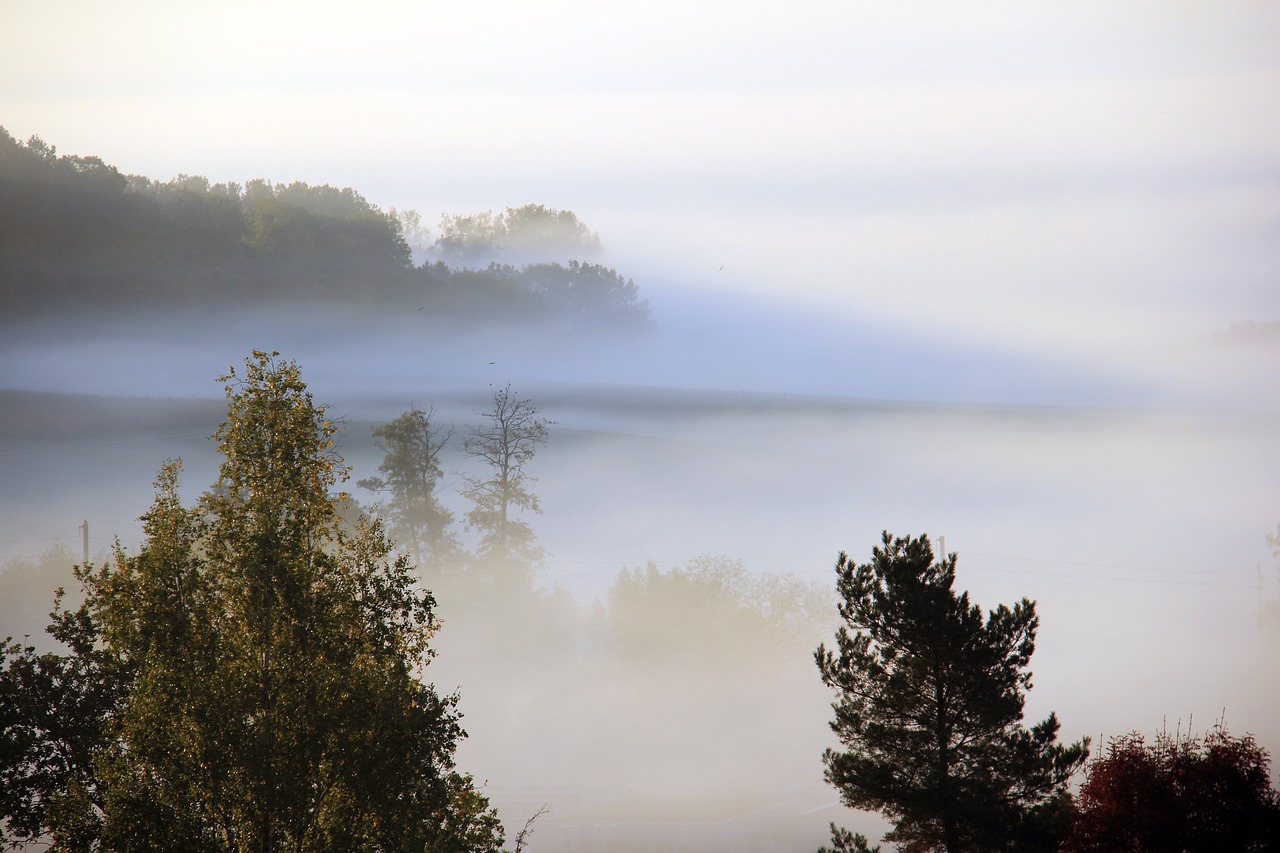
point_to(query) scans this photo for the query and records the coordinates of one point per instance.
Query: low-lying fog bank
(1140, 533)
(703, 340)
(1136, 516)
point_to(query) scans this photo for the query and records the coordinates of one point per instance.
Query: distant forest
(78, 238)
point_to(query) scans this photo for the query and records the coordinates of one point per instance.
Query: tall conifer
(929, 707)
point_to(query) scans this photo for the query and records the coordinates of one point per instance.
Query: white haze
(1093, 186)
(969, 272)
(1141, 531)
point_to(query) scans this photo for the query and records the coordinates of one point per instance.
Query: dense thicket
(1180, 794)
(79, 237)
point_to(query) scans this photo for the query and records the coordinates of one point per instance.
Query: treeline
(79, 237)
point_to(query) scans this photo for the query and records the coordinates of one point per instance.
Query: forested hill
(77, 237)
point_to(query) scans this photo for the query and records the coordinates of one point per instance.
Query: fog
(1005, 277)
(1140, 530)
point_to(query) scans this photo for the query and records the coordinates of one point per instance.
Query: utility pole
(85, 529)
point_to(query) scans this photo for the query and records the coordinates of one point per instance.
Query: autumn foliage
(1179, 793)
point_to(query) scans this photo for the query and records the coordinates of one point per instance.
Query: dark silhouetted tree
(505, 443)
(929, 709)
(410, 479)
(57, 710)
(1180, 794)
(844, 841)
(250, 679)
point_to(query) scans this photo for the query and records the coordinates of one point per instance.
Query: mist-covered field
(1140, 531)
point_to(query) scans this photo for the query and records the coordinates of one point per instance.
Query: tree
(470, 239)
(929, 708)
(844, 841)
(530, 233)
(586, 295)
(1181, 794)
(505, 443)
(56, 711)
(262, 660)
(416, 235)
(713, 612)
(1270, 612)
(411, 477)
(536, 232)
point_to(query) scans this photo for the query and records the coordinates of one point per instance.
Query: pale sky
(1092, 183)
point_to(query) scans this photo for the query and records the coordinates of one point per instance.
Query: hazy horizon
(1083, 195)
(1003, 275)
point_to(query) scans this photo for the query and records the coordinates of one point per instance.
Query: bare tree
(522, 837)
(506, 442)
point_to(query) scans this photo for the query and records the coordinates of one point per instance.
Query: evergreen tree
(411, 477)
(929, 708)
(265, 664)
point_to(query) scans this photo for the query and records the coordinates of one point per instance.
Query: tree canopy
(531, 233)
(77, 236)
(929, 706)
(251, 678)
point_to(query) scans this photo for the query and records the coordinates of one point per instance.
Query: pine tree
(929, 708)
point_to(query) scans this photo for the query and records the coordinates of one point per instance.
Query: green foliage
(529, 233)
(56, 712)
(580, 296)
(505, 443)
(76, 235)
(929, 708)
(1178, 795)
(416, 235)
(410, 478)
(583, 293)
(262, 663)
